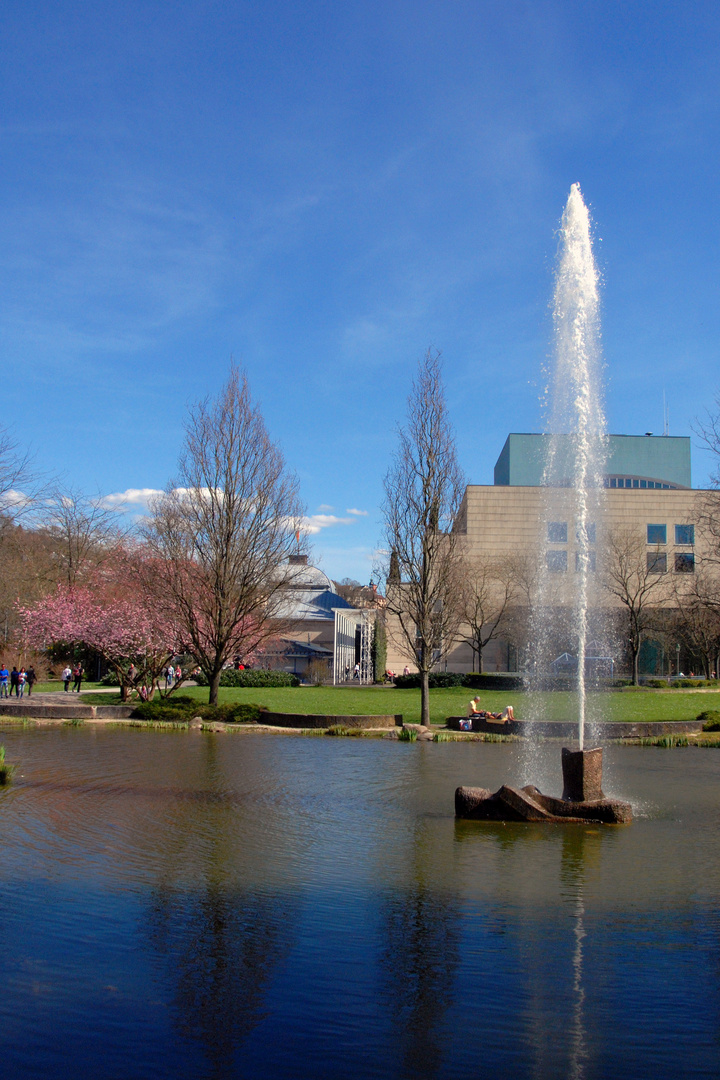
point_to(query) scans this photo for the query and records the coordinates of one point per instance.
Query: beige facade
(525, 524)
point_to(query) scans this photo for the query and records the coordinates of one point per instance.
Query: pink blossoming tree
(123, 630)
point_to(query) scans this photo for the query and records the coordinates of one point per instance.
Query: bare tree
(490, 589)
(423, 492)
(637, 577)
(707, 503)
(18, 480)
(357, 595)
(84, 532)
(224, 530)
(707, 429)
(697, 601)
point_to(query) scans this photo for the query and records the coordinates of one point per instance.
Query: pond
(183, 904)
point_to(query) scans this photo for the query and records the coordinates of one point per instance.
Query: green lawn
(630, 707)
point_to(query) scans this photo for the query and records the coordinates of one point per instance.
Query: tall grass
(6, 769)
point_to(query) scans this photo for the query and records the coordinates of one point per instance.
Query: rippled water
(189, 905)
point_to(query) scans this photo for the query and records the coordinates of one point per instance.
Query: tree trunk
(123, 690)
(425, 698)
(635, 657)
(214, 687)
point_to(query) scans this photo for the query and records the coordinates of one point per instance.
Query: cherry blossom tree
(122, 631)
(118, 613)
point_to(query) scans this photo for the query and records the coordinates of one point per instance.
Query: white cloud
(15, 499)
(130, 497)
(325, 509)
(358, 513)
(315, 522)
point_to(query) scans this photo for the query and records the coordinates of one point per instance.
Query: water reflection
(219, 949)
(182, 906)
(580, 847)
(219, 943)
(533, 885)
(418, 961)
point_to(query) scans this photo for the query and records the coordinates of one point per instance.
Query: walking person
(66, 676)
(22, 678)
(30, 679)
(4, 680)
(78, 674)
(14, 676)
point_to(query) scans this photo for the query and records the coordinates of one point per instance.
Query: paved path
(62, 697)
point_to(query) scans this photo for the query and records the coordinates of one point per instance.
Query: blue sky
(322, 190)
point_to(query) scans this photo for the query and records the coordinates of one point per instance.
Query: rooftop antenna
(666, 416)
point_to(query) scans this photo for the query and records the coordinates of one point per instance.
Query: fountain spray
(576, 421)
(573, 479)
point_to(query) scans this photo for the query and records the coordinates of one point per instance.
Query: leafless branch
(633, 574)
(225, 528)
(423, 493)
(85, 533)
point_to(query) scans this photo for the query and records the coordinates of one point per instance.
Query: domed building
(319, 627)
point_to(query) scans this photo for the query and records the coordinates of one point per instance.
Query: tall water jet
(575, 461)
(573, 484)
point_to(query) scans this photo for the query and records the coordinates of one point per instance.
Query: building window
(684, 534)
(589, 533)
(657, 534)
(557, 561)
(590, 556)
(657, 562)
(557, 532)
(684, 562)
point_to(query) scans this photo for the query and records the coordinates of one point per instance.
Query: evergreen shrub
(252, 677)
(183, 708)
(473, 680)
(438, 680)
(710, 720)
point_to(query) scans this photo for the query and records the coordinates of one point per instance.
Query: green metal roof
(660, 459)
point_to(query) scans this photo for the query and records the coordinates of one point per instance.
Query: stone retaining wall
(315, 720)
(31, 711)
(565, 730)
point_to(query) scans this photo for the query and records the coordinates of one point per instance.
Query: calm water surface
(188, 905)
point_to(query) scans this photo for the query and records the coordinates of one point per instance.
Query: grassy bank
(630, 708)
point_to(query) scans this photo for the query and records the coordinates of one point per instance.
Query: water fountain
(576, 447)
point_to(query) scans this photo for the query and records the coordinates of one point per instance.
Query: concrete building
(647, 496)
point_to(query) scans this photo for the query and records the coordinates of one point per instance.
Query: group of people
(172, 675)
(75, 675)
(475, 712)
(392, 675)
(17, 681)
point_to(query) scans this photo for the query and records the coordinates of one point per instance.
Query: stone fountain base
(583, 798)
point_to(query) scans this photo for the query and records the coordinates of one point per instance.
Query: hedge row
(710, 720)
(183, 708)
(252, 677)
(473, 680)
